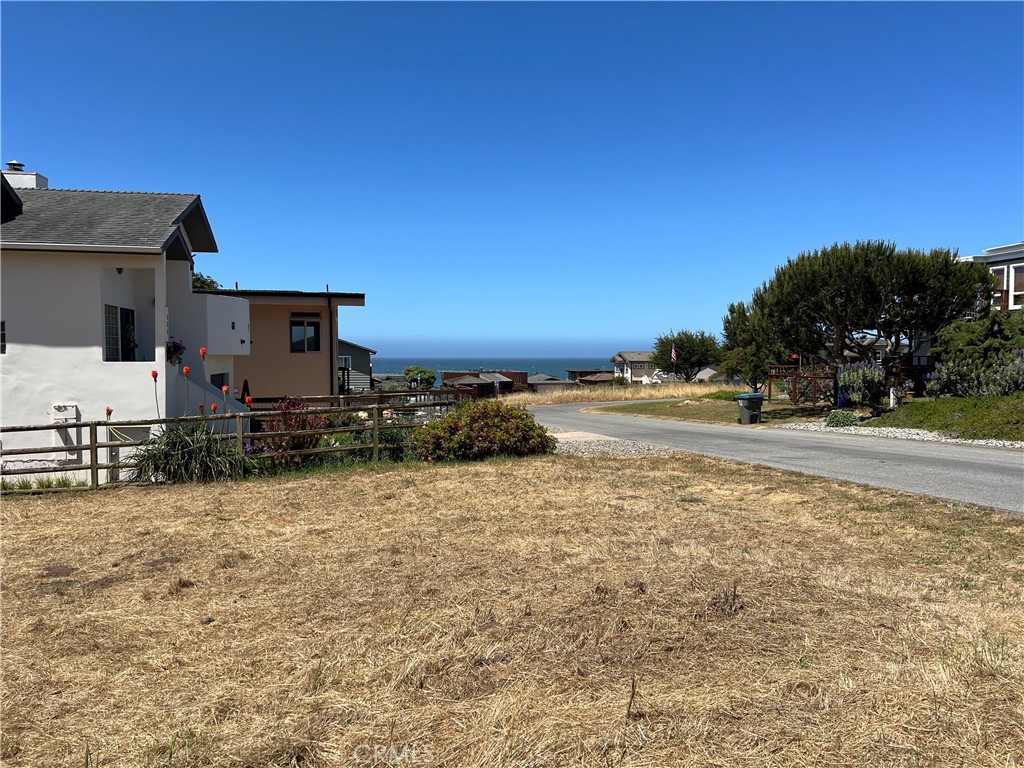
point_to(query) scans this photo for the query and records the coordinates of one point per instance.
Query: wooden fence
(104, 440)
(818, 380)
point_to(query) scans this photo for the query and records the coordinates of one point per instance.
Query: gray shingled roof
(632, 357)
(143, 220)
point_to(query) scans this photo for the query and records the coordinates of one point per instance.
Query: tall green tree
(749, 346)
(694, 352)
(838, 302)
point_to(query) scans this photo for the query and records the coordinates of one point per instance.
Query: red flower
(224, 389)
(202, 408)
(109, 411)
(153, 374)
(185, 371)
(248, 400)
(213, 407)
(202, 352)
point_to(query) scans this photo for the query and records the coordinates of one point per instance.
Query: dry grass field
(555, 611)
(608, 394)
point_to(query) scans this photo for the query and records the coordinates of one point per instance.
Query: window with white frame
(345, 361)
(305, 331)
(119, 342)
(1016, 286)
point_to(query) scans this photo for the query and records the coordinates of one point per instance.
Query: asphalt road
(991, 477)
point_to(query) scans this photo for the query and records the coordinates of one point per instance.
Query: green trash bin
(750, 408)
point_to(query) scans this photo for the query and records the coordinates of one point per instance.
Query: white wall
(201, 320)
(52, 305)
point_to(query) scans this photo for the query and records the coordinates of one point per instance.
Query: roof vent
(14, 165)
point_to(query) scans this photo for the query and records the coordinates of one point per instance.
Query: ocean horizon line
(553, 365)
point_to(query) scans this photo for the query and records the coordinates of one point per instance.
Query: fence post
(94, 457)
(376, 432)
(239, 432)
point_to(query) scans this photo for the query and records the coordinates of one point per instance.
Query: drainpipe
(332, 351)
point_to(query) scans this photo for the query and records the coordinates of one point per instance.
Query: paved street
(992, 477)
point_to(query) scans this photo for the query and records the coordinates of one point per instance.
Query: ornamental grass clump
(189, 453)
(480, 430)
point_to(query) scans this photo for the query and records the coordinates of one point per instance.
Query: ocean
(553, 366)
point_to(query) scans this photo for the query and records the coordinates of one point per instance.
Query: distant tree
(749, 347)
(201, 282)
(694, 352)
(419, 376)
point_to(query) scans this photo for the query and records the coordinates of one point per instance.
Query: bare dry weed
(545, 612)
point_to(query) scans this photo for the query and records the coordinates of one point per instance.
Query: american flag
(673, 353)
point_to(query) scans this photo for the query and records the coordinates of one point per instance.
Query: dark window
(305, 332)
(118, 333)
(3, 337)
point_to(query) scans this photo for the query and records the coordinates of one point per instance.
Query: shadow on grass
(785, 412)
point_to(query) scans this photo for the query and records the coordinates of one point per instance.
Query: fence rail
(264, 424)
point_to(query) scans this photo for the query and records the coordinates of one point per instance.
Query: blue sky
(531, 178)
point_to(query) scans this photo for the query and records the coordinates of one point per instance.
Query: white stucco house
(94, 286)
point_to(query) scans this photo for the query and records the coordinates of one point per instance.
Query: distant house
(633, 366)
(543, 382)
(97, 296)
(486, 383)
(389, 380)
(578, 374)
(355, 366)
(1006, 262)
(293, 347)
(604, 377)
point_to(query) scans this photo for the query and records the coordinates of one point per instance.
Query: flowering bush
(479, 430)
(288, 417)
(863, 382)
(970, 377)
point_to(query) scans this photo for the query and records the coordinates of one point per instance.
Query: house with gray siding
(355, 366)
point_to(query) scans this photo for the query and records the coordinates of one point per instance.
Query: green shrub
(963, 376)
(841, 419)
(189, 453)
(481, 429)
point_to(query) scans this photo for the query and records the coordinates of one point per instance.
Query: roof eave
(197, 227)
(146, 251)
